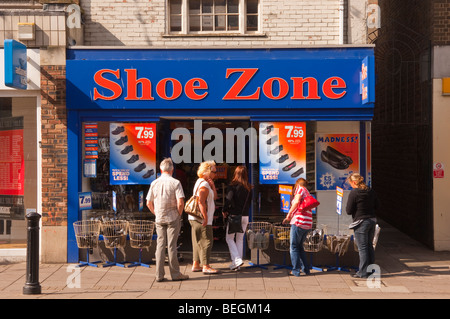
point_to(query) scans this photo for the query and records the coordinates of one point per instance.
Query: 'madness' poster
(132, 153)
(337, 155)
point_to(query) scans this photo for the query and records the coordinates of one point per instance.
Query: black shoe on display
(267, 129)
(149, 173)
(127, 150)
(335, 160)
(335, 154)
(282, 158)
(122, 140)
(140, 167)
(276, 150)
(118, 130)
(133, 159)
(272, 140)
(298, 172)
(289, 167)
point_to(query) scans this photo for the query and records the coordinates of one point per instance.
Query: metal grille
(403, 65)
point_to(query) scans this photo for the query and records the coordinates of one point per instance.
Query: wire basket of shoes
(338, 244)
(314, 241)
(281, 236)
(258, 235)
(141, 233)
(115, 233)
(87, 233)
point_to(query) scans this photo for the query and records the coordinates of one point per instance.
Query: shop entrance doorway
(228, 143)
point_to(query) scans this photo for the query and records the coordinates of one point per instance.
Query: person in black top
(237, 202)
(362, 204)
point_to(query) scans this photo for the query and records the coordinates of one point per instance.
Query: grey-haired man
(165, 199)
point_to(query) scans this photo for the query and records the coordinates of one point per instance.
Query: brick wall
(143, 23)
(441, 26)
(54, 145)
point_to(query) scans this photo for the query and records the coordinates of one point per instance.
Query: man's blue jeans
(364, 234)
(298, 255)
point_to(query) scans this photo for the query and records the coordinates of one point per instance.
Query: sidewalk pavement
(408, 270)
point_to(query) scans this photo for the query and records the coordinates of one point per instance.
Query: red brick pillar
(54, 145)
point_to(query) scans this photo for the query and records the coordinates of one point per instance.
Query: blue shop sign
(15, 64)
(310, 82)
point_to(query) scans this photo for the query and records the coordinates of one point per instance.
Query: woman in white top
(202, 233)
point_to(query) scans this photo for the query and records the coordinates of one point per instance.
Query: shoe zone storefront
(284, 113)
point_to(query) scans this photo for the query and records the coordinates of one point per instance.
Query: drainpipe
(341, 21)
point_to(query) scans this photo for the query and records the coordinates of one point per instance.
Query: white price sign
(144, 132)
(85, 200)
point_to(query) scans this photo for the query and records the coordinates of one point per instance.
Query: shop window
(18, 168)
(213, 16)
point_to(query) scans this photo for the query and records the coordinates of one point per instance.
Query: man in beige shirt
(165, 199)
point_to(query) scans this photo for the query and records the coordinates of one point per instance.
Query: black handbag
(235, 224)
(235, 221)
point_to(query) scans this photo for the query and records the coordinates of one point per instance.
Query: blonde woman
(202, 233)
(361, 204)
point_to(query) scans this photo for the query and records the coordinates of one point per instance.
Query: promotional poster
(337, 155)
(282, 152)
(132, 153)
(12, 168)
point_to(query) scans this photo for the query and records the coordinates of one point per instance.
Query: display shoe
(334, 162)
(133, 159)
(140, 167)
(267, 129)
(297, 173)
(122, 140)
(118, 130)
(276, 150)
(338, 156)
(282, 158)
(149, 173)
(289, 166)
(272, 140)
(127, 149)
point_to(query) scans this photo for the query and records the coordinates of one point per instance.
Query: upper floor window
(213, 16)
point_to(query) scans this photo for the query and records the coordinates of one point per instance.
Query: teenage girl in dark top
(237, 202)
(361, 204)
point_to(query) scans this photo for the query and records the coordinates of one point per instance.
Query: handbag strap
(248, 194)
(198, 186)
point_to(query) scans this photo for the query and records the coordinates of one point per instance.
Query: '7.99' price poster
(282, 152)
(132, 153)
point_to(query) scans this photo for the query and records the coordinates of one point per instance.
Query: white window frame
(185, 22)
